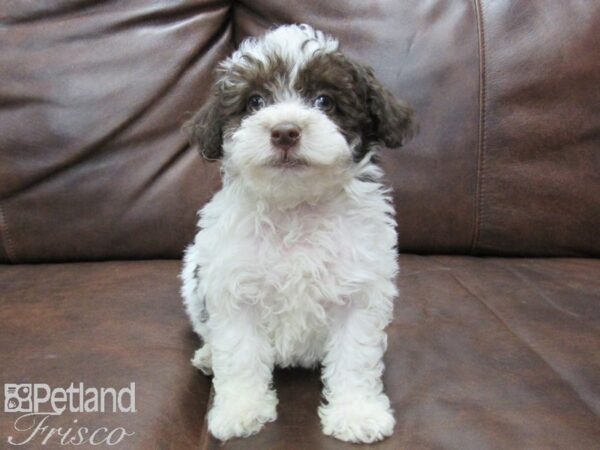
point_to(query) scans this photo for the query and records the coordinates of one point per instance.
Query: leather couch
(496, 338)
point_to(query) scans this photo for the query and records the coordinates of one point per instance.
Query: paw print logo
(17, 398)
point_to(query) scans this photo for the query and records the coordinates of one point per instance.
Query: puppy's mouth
(287, 161)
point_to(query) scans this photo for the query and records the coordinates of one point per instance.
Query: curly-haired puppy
(295, 260)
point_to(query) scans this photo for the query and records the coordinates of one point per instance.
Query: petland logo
(38, 403)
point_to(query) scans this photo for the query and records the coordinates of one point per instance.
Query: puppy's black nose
(285, 135)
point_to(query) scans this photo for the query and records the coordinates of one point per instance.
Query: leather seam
(5, 238)
(479, 190)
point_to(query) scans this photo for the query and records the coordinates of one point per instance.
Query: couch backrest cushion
(93, 94)
(93, 164)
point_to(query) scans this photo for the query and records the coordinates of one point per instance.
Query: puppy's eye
(255, 102)
(324, 103)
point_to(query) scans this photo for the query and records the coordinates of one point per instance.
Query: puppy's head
(291, 115)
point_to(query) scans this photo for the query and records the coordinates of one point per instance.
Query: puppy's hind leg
(203, 359)
(195, 305)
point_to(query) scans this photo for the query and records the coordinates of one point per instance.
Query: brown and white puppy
(295, 260)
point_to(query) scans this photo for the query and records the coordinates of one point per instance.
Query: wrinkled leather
(93, 164)
(483, 353)
(105, 325)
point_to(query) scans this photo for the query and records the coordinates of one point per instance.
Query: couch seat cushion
(105, 325)
(483, 353)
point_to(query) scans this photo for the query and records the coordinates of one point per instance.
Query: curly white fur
(294, 267)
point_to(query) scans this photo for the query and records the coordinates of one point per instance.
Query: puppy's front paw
(358, 419)
(241, 415)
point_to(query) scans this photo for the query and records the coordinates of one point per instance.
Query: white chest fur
(290, 267)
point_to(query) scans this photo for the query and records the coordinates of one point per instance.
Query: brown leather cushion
(93, 164)
(105, 325)
(483, 353)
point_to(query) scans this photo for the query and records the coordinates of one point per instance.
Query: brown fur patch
(364, 109)
(365, 112)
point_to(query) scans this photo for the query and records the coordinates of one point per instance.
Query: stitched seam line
(479, 192)
(5, 239)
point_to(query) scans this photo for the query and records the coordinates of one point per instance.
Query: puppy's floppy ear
(205, 130)
(392, 120)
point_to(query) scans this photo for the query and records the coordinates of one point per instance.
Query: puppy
(295, 260)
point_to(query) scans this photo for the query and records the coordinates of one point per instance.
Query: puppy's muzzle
(285, 135)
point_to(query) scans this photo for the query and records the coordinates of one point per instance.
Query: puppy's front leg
(242, 364)
(356, 408)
